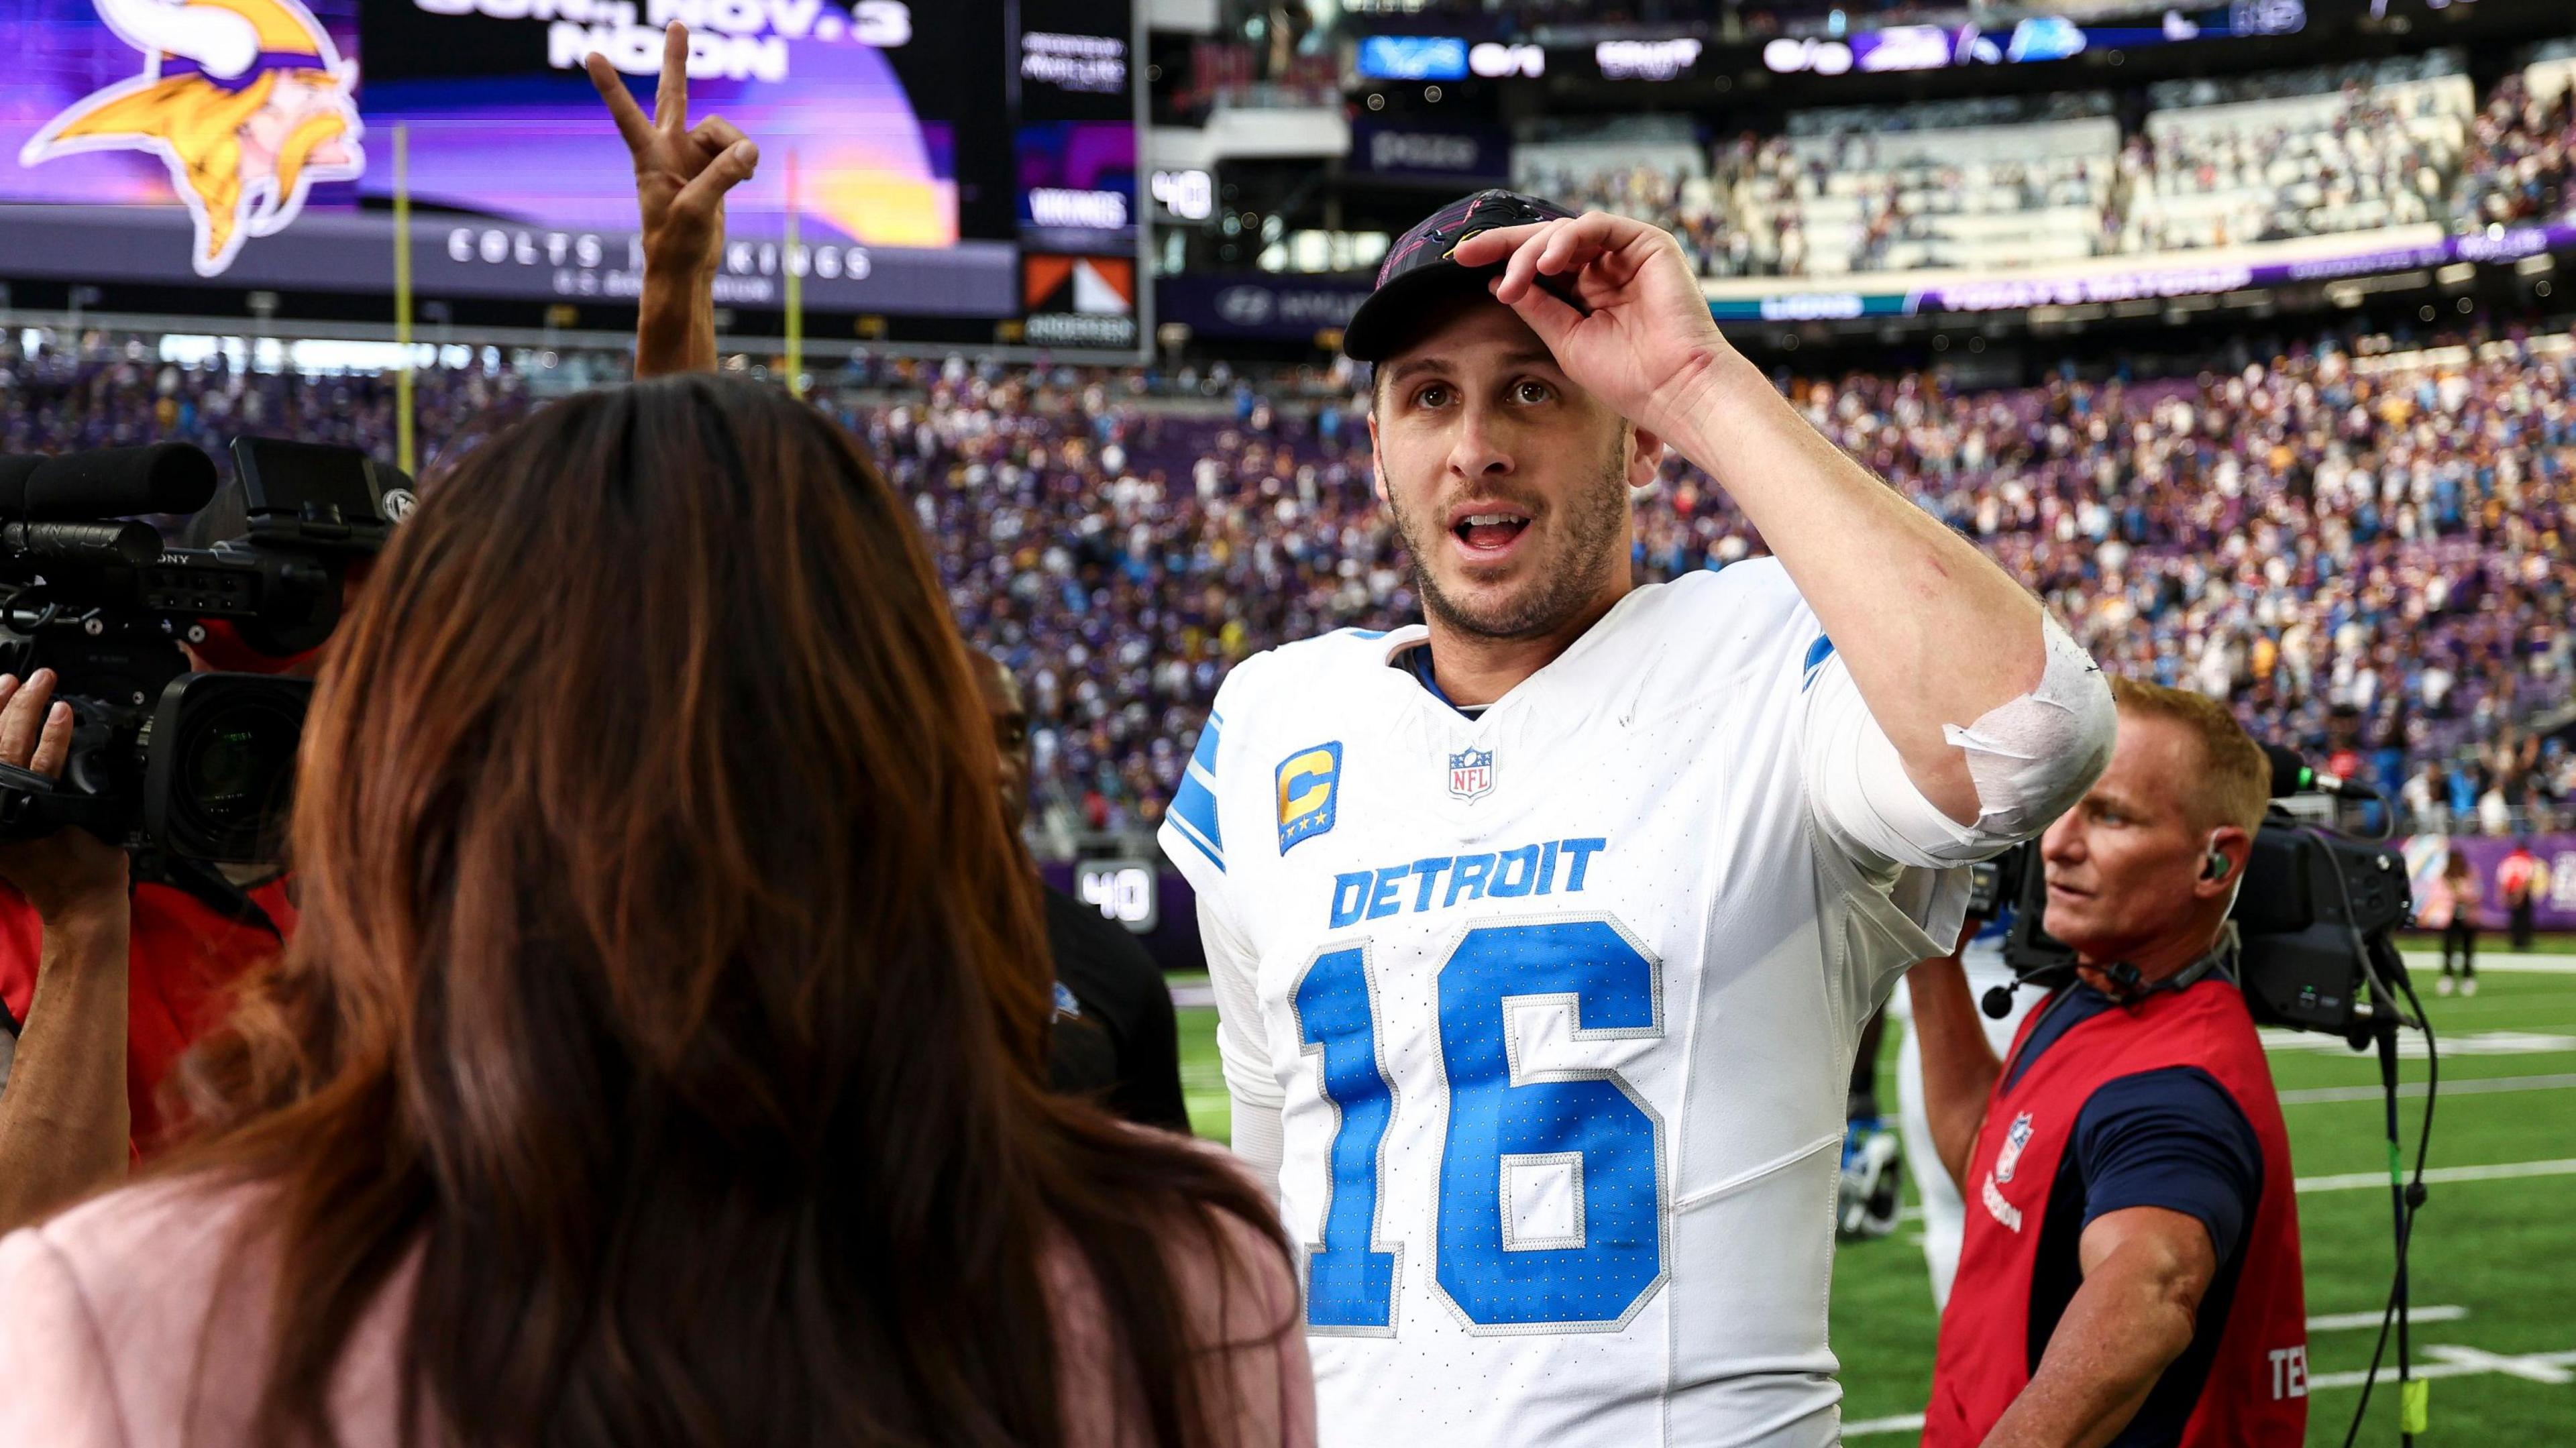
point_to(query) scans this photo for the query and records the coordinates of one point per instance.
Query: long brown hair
(669, 981)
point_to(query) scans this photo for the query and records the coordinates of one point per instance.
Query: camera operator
(63, 1121)
(105, 1014)
(2131, 1262)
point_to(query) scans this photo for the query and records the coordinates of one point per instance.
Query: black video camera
(196, 765)
(2314, 915)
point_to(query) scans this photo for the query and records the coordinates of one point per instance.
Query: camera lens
(226, 765)
(238, 764)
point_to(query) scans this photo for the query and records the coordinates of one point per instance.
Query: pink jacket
(108, 1322)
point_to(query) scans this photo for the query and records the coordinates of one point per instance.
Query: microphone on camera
(115, 482)
(2292, 775)
(1997, 1002)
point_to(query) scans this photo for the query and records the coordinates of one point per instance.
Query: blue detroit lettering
(1382, 901)
(1504, 875)
(1428, 871)
(1472, 873)
(1504, 885)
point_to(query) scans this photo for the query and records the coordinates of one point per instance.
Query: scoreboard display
(951, 179)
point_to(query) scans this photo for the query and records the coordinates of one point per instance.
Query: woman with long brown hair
(659, 1058)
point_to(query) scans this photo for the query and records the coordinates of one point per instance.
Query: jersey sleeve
(1193, 839)
(1896, 901)
(2175, 1139)
(1251, 1085)
(1863, 800)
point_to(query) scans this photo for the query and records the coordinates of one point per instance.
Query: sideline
(2517, 962)
(2498, 1171)
(2478, 1086)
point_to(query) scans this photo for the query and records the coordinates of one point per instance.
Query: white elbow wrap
(2033, 757)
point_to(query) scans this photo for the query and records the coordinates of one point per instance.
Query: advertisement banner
(1464, 157)
(2145, 278)
(1281, 308)
(2553, 890)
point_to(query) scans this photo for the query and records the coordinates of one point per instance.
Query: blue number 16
(1501, 1119)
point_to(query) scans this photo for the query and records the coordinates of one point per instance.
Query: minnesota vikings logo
(246, 101)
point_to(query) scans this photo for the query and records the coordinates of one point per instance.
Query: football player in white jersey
(1541, 932)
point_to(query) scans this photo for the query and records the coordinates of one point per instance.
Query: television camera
(2314, 915)
(194, 765)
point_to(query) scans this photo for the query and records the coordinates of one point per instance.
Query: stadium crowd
(2353, 157)
(2520, 149)
(2367, 555)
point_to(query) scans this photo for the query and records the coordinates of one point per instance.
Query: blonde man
(2130, 1269)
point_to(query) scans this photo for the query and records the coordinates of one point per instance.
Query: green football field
(2495, 1248)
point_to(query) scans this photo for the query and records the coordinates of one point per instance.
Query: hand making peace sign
(682, 172)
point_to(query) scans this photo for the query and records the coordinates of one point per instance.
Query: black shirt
(1114, 1038)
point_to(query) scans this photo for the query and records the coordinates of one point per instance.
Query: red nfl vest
(2256, 1392)
(185, 955)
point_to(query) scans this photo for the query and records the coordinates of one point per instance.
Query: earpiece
(2216, 866)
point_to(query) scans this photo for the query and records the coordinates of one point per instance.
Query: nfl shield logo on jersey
(1471, 773)
(2014, 1140)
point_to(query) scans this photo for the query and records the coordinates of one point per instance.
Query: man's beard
(1596, 522)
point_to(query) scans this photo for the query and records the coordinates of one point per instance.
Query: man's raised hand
(1648, 346)
(682, 172)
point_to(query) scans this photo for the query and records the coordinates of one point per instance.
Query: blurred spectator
(2264, 157)
(2521, 881)
(2450, 905)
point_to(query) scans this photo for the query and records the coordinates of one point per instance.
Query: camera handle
(33, 805)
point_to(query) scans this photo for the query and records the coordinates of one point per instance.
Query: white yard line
(2461, 1362)
(2429, 963)
(2348, 1321)
(2565, 1080)
(2498, 1171)
(2410, 1046)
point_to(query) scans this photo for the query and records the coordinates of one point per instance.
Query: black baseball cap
(1421, 269)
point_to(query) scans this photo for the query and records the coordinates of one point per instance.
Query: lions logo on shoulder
(1471, 773)
(2014, 1140)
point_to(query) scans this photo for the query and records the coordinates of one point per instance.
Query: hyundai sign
(1257, 304)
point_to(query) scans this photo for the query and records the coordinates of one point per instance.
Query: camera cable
(2407, 1195)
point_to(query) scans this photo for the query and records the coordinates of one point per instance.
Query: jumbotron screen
(945, 171)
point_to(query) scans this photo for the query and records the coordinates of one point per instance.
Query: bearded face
(307, 122)
(306, 125)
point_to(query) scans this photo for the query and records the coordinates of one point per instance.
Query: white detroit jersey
(1556, 1008)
